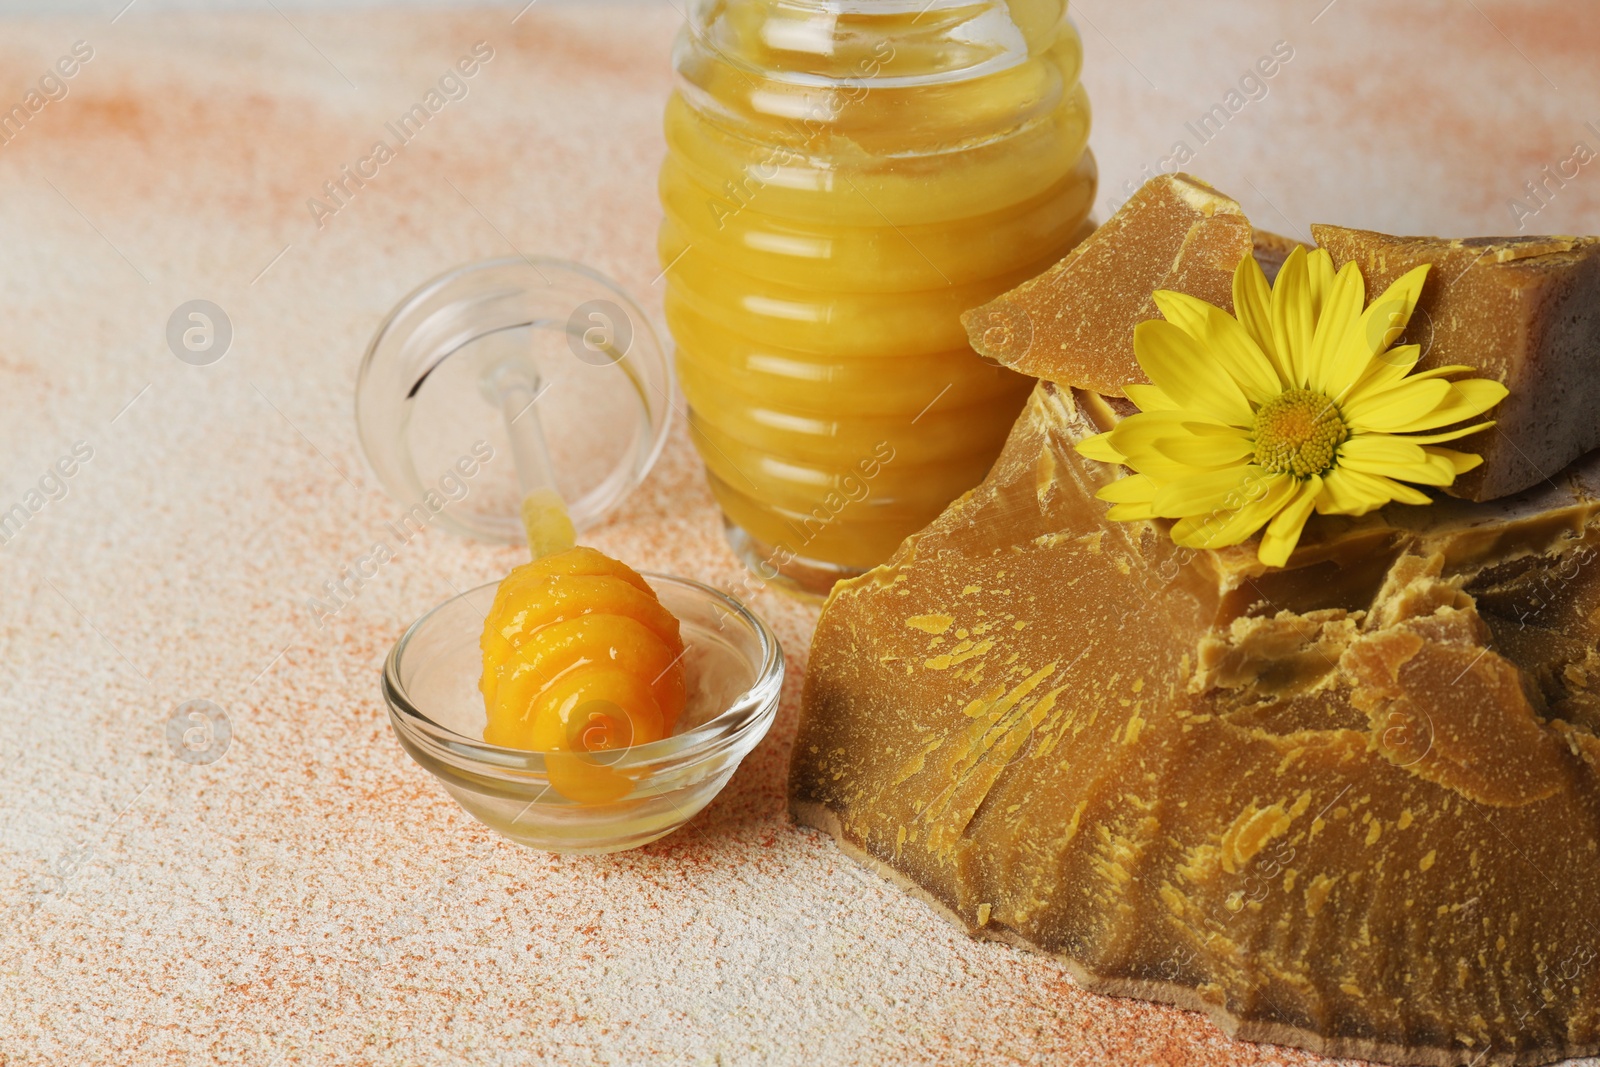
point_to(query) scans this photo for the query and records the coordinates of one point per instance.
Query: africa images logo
(452, 86)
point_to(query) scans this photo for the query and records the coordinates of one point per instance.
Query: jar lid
(505, 376)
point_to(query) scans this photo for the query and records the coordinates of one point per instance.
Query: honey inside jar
(840, 186)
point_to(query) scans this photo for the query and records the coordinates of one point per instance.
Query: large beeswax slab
(1351, 804)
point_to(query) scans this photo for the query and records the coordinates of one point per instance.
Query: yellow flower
(1298, 404)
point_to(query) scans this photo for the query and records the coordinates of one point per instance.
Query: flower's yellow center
(1298, 433)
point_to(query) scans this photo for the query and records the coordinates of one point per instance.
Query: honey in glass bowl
(843, 179)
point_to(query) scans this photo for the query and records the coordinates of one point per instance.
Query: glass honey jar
(843, 179)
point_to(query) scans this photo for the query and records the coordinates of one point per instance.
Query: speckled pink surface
(313, 896)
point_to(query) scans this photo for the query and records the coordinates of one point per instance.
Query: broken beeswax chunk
(1351, 804)
(1524, 311)
(1074, 323)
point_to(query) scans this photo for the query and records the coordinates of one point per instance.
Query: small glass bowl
(734, 669)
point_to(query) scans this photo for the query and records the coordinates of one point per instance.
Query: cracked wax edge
(820, 817)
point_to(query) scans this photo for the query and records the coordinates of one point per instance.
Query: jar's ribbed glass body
(844, 178)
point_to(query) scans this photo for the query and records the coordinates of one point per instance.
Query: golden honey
(580, 659)
(842, 182)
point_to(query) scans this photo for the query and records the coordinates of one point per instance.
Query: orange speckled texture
(313, 896)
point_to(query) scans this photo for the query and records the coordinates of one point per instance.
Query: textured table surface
(312, 896)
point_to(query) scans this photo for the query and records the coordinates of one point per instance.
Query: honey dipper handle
(544, 513)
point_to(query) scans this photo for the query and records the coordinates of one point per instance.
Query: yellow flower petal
(1292, 317)
(1364, 346)
(1382, 372)
(1180, 368)
(1441, 372)
(1332, 366)
(1423, 471)
(1221, 337)
(1099, 447)
(1352, 492)
(1448, 435)
(1283, 532)
(1393, 368)
(1203, 492)
(1261, 500)
(1130, 513)
(1394, 410)
(1138, 436)
(1185, 312)
(1389, 315)
(1252, 305)
(1319, 279)
(1398, 492)
(1210, 451)
(1460, 462)
(1443, 466)
(1212, 429)
(1347, 493)
(1133, 489)
(1149, 398)
(1381, 448)
(1460, 401)
(1405, 459)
